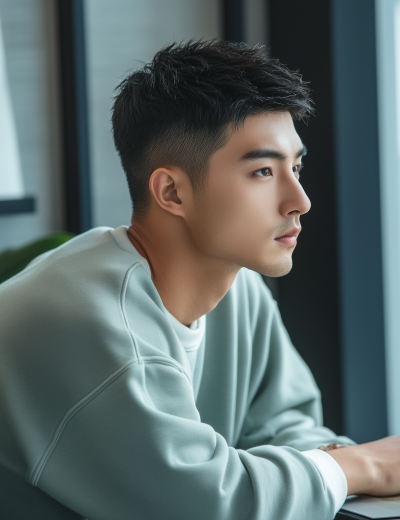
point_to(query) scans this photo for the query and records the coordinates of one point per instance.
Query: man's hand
(372, 468)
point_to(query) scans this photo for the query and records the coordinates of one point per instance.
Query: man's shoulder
(88, 250)
(75, 287)
(65, 312)
(63, 330)
(82, 260)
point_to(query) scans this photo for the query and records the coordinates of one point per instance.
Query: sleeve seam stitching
(34, 475)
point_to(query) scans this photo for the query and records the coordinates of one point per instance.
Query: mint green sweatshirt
(103, 408)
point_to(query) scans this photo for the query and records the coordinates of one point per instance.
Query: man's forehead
(264, 133)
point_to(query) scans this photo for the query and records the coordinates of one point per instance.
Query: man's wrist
(359, 469)
(330, 447)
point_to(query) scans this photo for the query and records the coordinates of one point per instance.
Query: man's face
(248, 214)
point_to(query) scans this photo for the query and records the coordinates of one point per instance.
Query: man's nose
(294, 199)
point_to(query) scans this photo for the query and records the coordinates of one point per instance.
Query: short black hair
(176, 110)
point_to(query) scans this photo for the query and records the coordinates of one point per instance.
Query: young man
(145, 372)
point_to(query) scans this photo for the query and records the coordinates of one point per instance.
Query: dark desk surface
(348, 516)
(368, 507)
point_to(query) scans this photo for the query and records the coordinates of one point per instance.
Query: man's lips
(289, 239)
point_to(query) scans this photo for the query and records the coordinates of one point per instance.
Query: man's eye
(297, 168)
(263, 172)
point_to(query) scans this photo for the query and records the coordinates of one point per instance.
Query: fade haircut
(178, 109)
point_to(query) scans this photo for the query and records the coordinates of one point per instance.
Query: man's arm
(136, 448)
(286, 407)
(286, 410)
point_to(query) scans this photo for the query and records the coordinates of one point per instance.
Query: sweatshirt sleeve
(332, 473)
(285, 406)
(135, 448)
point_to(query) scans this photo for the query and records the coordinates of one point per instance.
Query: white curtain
(11, 183)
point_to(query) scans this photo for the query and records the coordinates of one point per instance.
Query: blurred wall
(120, 35)
(256, 27)
(308, 295)
(31, 61)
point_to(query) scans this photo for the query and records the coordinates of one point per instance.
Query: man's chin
(275, 270)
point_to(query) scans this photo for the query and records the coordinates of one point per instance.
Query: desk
(344, 515)
(349, 516)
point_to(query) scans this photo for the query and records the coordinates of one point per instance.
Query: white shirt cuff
(332, 473)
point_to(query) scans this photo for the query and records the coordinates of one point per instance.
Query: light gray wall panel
(31, 59)
(121, 34)
(256, 22)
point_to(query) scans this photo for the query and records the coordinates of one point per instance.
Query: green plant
(12, 261)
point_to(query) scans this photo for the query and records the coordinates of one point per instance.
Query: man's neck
(189, 282)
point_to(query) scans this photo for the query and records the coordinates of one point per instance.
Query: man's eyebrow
(262, 153)
(302, 152)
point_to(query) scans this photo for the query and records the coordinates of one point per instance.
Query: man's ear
(164, 186)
